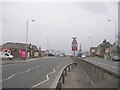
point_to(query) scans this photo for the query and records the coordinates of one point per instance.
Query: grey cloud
(95, 7)
(56, 21)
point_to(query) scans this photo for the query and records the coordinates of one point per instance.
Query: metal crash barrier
(64, 73)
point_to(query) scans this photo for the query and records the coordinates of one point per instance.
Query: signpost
(74, 46)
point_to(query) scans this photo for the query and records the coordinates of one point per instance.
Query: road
(104, 63)
(33, 74)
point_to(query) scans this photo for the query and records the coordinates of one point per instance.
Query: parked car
(6, 56)
(115, 58)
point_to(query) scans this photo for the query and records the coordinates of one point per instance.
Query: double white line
(47, 76)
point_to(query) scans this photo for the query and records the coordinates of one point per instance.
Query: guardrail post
(63, 77)
(75, 64)
(69, 68)
(65, 71)
(59, 86)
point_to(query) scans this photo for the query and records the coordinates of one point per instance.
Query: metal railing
(64, 73)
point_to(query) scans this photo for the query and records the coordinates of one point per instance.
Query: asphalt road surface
(33, 74)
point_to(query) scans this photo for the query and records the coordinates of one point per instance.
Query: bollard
(65, 71)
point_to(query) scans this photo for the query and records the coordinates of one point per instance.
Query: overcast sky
(57, 22)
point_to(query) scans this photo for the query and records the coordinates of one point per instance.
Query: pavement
(76, 78)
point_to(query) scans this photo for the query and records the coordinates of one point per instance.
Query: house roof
(93, 47)
(105, 45)
(18, 46)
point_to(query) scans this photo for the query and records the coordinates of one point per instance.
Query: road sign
(74, 45)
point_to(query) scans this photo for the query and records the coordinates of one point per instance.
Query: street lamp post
(91, 41)
(114, 34)
(115, 28)
(27, 35)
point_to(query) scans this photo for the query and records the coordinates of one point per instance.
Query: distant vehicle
(61, 55)
(79, 54)
(83, 56)
(115, 58)
(6, 56)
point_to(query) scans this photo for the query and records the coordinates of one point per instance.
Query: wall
(95, 73)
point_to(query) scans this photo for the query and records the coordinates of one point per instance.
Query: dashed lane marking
(8, 78)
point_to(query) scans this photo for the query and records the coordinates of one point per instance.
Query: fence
(64, 73)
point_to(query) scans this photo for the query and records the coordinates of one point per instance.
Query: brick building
(16, 49)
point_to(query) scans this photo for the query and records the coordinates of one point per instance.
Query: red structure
(74, 45)
(23, 53)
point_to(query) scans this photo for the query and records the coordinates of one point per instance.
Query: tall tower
(80, 48)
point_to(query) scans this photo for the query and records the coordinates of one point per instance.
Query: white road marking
(11, 76)
(113, 67)
(47, 76)
(18, 73)
(28, 70)
(7, 65)
(51, 72)
(88, 77)
(57, 66)
(23, 71)
(33, 67)
(8, 78)
(41, 82)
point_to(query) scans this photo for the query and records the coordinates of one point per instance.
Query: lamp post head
(89, 37)
(33, 20)
(74, 37)
(108, 20)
